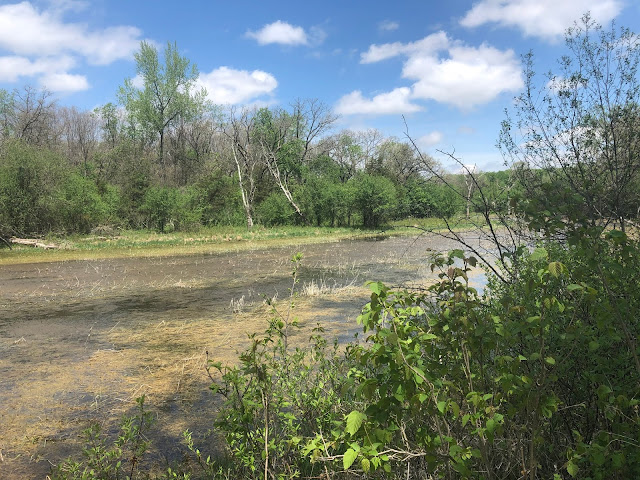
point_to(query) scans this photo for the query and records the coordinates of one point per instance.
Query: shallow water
(79, 340)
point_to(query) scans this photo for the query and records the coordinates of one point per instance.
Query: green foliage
(80, 205)
(217, 199)
(159, 203)
(167, 92)
(29, 177)
(171, 208)
(430, 199)
(277, 396)
(275, 210)
(111, 461)
(40, 194)
(374, 197)
(477, 387)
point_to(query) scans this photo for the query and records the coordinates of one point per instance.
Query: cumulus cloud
(26, 31)
(229, 86)
(451, 72)
(430, 139)
(12, 67)
(64, 82)
(39, 43)
(396, 101)
(547, 19)
(470, 76)
(429, 44)
(388, 26)
(280, 32)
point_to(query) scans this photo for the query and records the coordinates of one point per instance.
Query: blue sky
(450, 67)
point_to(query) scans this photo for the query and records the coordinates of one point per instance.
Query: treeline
(165, 158)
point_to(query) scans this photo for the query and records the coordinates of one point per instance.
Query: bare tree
(33, 119)
(311, 119)
(246, 155)
(81, 132)
(401, 161)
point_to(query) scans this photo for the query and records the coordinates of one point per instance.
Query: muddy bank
(80, 340)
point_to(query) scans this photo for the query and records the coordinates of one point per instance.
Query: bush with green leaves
(29, 181)
(375, 198)
(111, 461)
(537, 379)
(275, 210)
(277, 397)
(80, 206)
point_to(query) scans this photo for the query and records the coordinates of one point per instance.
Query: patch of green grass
(131, 243)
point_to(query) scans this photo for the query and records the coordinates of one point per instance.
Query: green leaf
(376, 287)
(539, 253)
(354, 421)
(574, 286)
(441, 406)
(457, 253)
(349, 457)
(572, 468)
(365, 464)
(491, 425)
(455, 408)
(557, 268)
(465, 419)
(550, 360)
(428, 336)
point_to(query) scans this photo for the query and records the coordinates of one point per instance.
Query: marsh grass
(146, 243)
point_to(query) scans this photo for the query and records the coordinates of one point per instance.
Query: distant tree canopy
(169, 159)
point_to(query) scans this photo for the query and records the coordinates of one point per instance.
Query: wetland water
(80, 340)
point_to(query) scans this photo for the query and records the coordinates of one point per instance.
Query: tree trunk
(246, 200)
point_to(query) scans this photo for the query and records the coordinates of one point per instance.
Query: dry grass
(150, 244)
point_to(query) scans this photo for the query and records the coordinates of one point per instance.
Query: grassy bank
(140, 243)
(148, 243)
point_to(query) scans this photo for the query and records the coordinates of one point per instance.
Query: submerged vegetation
(537, 376)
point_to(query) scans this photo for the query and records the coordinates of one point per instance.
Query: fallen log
(33, 243)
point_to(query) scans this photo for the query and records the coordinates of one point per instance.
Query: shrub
(375, 198)
(275, 210)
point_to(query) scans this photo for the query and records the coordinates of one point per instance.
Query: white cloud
(280, 32)
(26, 31)
(388, 26)
(229, 86)
(429, 44)
(546, 19)
(39, 43)
(64, 82)
(137, 82)
(470, 76)
(396, 101)
(448, 71)
(430, 139)
(12, 67)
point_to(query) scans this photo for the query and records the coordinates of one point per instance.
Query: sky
(451, 68)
